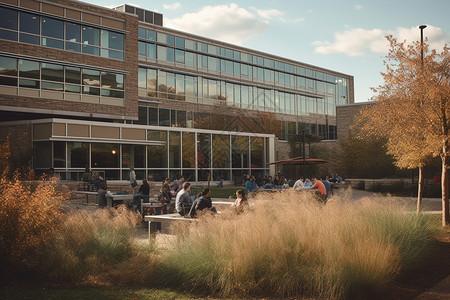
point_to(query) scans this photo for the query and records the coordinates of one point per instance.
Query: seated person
(102, 193)
(203, 202)
(144, 192)
(307, 183)
(298, 184)
(87, 175)
(241, 202)
(97, 180)
(321, 189)
(183, 202)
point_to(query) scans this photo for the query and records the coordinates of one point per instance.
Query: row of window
(161, 84)
(182, 43)
(255, 73)
(213, 152)
(55, 77)
(55, 33)
(179, 118)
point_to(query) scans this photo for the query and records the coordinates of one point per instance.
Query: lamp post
(422, 27)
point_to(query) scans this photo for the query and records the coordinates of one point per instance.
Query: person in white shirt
(298, 184)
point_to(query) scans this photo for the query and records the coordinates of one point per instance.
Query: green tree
(412, 110)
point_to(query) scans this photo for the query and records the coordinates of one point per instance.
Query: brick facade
(128, 65)
(345, 116)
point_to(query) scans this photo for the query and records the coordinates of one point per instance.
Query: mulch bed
(415, 283)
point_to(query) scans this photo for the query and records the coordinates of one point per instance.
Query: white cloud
(358, 7)
(269, 13)
(229, 23)
(172, 6)
(358, 41)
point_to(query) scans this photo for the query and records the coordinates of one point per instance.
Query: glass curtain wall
(197, 156)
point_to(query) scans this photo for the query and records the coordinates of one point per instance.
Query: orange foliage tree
(412, 110)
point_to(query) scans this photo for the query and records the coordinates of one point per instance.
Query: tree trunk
(420, 190)
(445, 185)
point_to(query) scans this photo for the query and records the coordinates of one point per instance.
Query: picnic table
(122, 198)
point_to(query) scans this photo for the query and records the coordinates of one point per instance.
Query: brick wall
(129, 65)
(345, 116)
(20, 141)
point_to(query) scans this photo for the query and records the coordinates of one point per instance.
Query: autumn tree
(412, 109)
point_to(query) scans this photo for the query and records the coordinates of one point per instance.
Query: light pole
(422, 27)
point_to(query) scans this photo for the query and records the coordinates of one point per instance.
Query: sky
(343, 36)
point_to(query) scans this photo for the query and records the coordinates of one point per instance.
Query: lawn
(223, 192)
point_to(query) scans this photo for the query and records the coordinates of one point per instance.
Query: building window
(105, 155)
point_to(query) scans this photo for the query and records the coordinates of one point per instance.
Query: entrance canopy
(299, 161)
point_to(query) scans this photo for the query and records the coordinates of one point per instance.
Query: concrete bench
(169, 218)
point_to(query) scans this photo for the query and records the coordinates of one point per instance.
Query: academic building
(87, 86)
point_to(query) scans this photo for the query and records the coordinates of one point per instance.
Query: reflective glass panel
(174, 149)
(151, 50)
(73, 75)
(113, 40)
(257, 152)
(133, 156)
(112, 81)
(28, 68)
(73, 32)
(239, 151)
(91, 50)
(52, 72)
(179, 42)
(29, 39)
(91, 36)
(77, 155)
(8, 35)
(105, 155)
(59, 44)
(142, 48)
(27, 83)
(59, 154)
(52, 28)
(73, 47)
(142, 78)
(8, 19)
(51, 86)
(142, 33)
(91, 77)
(164, 117)
(29, 23)
(203, 150)
(11, 81)
(221, 151)
(157, 157)
(151, 35)
(8, 66)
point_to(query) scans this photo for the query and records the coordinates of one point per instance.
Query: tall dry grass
(291, 245)
(92, 243)
(29, 215)
(43, 242)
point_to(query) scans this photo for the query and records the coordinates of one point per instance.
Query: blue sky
(345, 36)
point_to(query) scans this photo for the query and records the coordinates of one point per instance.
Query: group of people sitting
(94, 178)
(185, 204)
(322, 184)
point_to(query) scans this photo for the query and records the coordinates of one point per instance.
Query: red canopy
(299, 161)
